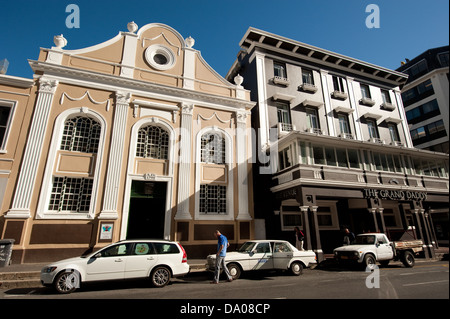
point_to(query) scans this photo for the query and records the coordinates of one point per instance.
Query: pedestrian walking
(349, 237)
(222, 245)
(299, 238)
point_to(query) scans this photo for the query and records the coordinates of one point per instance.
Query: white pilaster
(402, 114)
(326, 98)
(184, 167)
(241, 154)
(353, 104)
(262, 97)
(27, 176)
(111, 196)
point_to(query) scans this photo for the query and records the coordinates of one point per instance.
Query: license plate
(344, 257)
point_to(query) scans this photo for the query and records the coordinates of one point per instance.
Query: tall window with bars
(213, 199)
(153, 142)
(73, 194)
(212, 148)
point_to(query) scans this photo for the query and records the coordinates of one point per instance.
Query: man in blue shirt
(222, 245)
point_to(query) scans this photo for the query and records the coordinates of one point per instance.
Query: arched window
(81, 134)
(212, 148)
(153, 142)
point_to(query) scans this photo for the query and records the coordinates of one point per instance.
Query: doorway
(147, 210)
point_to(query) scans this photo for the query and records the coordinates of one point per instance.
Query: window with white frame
(307, 76)
(70, 194)
(213, 199)
(393, 132)
(338, 84)
(152, 142)
(279, 70)
(365, 91)
(212, 148)
(343, 124)
(284, 117)
(6, 112)
(285, 158)
(386, 97)
(373, 130)
(312, 120)
(81, 134)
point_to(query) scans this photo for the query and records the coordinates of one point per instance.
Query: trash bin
(6, 246)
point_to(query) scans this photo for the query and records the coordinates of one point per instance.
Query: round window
(160, 57)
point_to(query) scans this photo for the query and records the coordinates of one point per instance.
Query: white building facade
(340, 151)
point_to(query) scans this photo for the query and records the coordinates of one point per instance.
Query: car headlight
(48, 270)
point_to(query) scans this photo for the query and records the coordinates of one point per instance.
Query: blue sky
(407, 27)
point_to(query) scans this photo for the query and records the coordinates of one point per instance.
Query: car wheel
(369, 261)
(296, 268)
(235, 270)
(66, 282)
(408, 259)
(160, 276)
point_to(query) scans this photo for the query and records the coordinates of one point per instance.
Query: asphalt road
(427, 280)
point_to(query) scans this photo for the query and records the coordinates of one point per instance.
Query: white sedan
(265, 255)
(158, 260)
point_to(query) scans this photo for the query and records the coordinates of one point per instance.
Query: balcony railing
(284, 128)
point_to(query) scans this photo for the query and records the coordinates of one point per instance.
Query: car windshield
(365, 239)
(247, 247)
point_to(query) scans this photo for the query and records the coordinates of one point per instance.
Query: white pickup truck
(367, 249)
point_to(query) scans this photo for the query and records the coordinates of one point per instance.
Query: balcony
(367, 101)
(347, 135)
(314, 131)
(377, 140)
(397, 143)
(281, 80)
(285, 128)
(339, 95)
(388, 106)
(307, 87)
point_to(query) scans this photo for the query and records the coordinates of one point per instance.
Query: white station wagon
(158, 260)
(265, 255)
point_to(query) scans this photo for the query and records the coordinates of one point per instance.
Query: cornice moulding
(110, 82)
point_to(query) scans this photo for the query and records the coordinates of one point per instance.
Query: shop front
(323, 201)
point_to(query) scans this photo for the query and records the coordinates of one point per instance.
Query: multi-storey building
(334, 147)
(425, 97)
(134, 137)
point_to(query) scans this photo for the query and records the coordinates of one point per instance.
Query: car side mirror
(97, 255)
